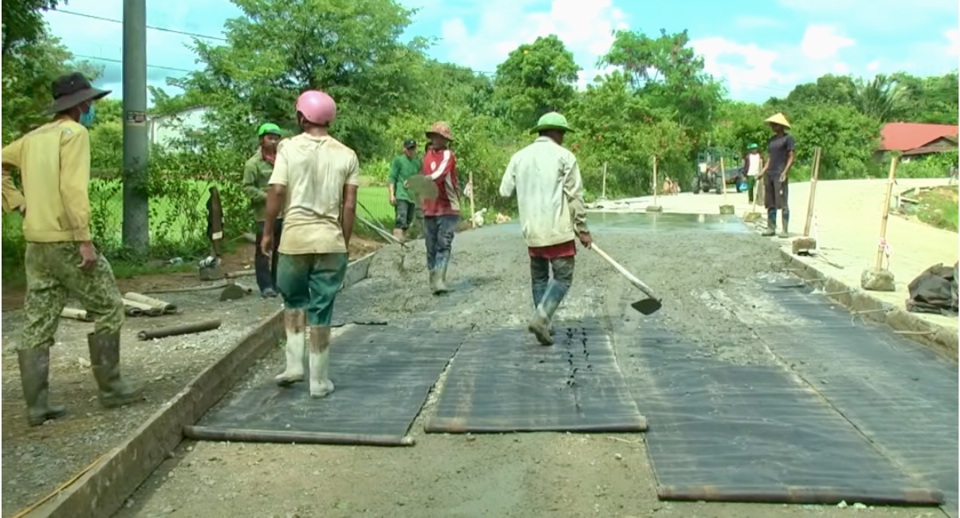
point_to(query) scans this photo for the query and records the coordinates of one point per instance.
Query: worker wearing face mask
(60, 259)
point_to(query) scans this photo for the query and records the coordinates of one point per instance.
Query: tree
(279, 48)
(882, 98)
(536, 78)
(23, 23)
(670, 74)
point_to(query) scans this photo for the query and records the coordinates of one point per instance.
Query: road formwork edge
(861, 303)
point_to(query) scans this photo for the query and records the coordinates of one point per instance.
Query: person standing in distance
(549, 190)
(780, 155)
(317, 177)
(402, 168)
(442, 214)
(752, 165)
(256, 174)
(60, 260)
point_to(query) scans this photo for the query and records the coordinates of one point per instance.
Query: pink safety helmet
(317, 107)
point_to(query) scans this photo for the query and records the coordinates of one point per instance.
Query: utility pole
(136, 228)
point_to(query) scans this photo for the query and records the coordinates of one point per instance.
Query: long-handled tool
(647, 306)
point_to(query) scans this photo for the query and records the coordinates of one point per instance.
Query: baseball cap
(409, 143)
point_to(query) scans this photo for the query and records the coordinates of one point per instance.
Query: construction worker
(441, 214)
(256, 174)
(780, 155)
(316, 177)
(552, 216)
(752, 163)
(403, 167)
(60, 259)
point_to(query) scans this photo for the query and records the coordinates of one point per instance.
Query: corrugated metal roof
(904, 136)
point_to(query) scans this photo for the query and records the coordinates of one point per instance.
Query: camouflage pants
(53, 275)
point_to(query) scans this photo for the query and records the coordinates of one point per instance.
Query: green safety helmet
(268, 128)
(752, 146)
(552, 120)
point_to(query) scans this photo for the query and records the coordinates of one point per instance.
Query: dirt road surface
(36, 460)
(511, 475)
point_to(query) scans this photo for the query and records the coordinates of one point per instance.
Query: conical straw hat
(779, 119)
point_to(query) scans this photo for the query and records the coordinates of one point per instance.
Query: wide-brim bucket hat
(72, 90)
(552, 120)
(441, 128)
(778, 118)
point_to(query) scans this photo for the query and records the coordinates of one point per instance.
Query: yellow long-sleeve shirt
(54, 163)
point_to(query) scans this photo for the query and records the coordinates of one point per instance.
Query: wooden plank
(103, 489)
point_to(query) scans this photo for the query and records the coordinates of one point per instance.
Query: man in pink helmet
(315, 177)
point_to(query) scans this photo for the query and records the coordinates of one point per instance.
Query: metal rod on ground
(183, 329)
(205, 433)
(800, 495)
(376, 227)
(813, 192)
(886, 211)
(473, 208)
(603, 191)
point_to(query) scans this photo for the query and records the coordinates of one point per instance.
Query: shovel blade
(423, 187)
(647, 306)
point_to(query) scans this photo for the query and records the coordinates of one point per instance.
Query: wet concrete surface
(699, 265)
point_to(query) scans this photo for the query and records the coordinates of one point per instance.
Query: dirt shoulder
(36, 460)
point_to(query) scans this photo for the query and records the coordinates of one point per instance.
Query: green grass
(938, 207)
(176, 227)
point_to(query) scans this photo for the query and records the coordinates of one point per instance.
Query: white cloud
(503, 25)
(745, 67)
(821, 42)
(953, 39)
(873, 66)
(756, 22)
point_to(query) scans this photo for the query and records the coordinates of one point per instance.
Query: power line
(161, 29)
(110, 60)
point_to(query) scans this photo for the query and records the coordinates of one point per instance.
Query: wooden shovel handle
(623, 271)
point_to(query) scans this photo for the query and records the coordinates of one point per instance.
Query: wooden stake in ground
(803, 245)
(603, 191)
(877, 278)
(473, 209)
(656, 206)
(724, 208)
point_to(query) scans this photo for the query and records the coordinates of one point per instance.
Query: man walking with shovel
(552, 216)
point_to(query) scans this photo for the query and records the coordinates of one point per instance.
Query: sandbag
(934, 291)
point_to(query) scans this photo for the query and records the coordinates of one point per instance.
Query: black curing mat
(382, 376)
(898, 393)
(502, 381)
(727, 432)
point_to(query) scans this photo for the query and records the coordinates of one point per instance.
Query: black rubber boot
(105, 359)
(541, 326)
(35, 378)
(439, 284)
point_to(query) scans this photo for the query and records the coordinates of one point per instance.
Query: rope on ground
(60, 488)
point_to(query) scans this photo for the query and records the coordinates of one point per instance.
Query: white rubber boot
(294, 322)
(320, 384)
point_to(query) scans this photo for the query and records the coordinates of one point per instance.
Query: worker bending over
(549, 190)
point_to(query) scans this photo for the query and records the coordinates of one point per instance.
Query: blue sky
(760, 48)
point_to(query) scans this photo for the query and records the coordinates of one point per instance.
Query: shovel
(423, 187)
(647, 306)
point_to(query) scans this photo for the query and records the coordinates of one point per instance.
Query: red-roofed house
(914, 139)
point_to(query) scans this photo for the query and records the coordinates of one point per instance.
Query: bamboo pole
(813, 192)
(655, 182)
(603, 192)
(723, 181)
(473, 208)
(886, 211)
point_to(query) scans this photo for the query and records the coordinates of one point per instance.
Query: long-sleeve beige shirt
(549, 190)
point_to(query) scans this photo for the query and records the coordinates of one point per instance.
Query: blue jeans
(438, 235)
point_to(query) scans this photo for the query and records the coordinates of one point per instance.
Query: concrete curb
(942, 339)
(104, 488)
